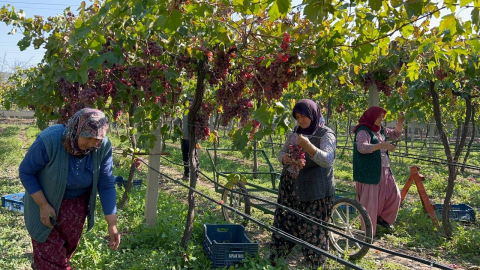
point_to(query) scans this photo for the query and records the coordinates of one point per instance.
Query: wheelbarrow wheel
(354, 221)
(237, 201)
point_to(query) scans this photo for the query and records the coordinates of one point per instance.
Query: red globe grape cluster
(221, 65)
(153, 49)
(138, 163)
(185, 63)
(88, 96)
(255, 127)
(440, 74)
(297, 159)
(269, 82)
(238, 109)
(202, 131)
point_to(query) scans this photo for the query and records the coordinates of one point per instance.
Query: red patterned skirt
(62, 242)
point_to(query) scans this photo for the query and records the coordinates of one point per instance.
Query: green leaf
(78, 23)
(475, 44)
(407, 30)
(174, 21)
(396, 3)
(83, 73)
(413, 71)
(413, 8)
(476, 16)
(283, 6)
(266, 63)
(312, 12)
(413, 56)
(448, 22)
(465, 2)
(240, 140)
(431, 65)
(264, 115)
(274, 12)
(279, 108)
(375, 4)
(282, 124)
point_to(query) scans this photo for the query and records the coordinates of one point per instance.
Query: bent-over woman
(62, 173)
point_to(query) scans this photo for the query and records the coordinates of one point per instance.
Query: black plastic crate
(13, 202)
(227, 244)
(460, 212)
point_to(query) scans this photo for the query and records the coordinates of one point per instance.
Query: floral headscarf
(369, 117)
(88, 123)
(311, 110)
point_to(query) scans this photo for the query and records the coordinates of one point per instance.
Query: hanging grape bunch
(202, 131)
(137, 164)
(269, 82)
(297, 159)
(255, 127)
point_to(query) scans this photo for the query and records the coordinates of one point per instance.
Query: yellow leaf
(356, 69)
(449, 92)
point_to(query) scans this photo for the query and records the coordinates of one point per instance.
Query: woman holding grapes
(307, 184)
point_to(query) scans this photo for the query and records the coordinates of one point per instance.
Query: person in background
(185, 144)
(375, 185)
(311, 189)
(62, 172)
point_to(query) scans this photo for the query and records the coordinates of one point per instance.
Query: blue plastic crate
(351, 209)
(13, 202)
(227, 244)
(122, 183)
(460, 212)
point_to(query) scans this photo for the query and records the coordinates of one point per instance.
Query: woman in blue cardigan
(62, 172)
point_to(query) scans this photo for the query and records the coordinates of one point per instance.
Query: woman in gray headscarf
(309, 190)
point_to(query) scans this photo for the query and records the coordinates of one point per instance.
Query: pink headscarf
(369, 117)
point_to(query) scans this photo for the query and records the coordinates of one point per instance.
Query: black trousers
(185, 147)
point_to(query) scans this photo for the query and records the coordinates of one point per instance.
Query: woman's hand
(113, 231)
(305, 143)
(388, 146)
(302, 141)
(114, 237)
(47, 211)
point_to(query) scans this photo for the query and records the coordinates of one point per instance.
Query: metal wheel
(237, 201)
(349, 215)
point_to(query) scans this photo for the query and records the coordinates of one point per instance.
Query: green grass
(155, 247)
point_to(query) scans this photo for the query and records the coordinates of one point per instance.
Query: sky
(8, 43)
(12, 55)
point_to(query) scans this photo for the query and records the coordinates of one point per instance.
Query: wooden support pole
(151, 199)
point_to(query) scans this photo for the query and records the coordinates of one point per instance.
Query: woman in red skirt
(62, 172)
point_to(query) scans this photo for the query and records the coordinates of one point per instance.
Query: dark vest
(314, 182)
(367, 168)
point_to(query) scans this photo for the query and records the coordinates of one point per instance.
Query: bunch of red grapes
(255, 127)
(221, 65)
(202, 131)
(297, 159)
(137, 164)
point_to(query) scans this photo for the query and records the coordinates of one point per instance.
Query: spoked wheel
(348, 214)
(237, 201)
